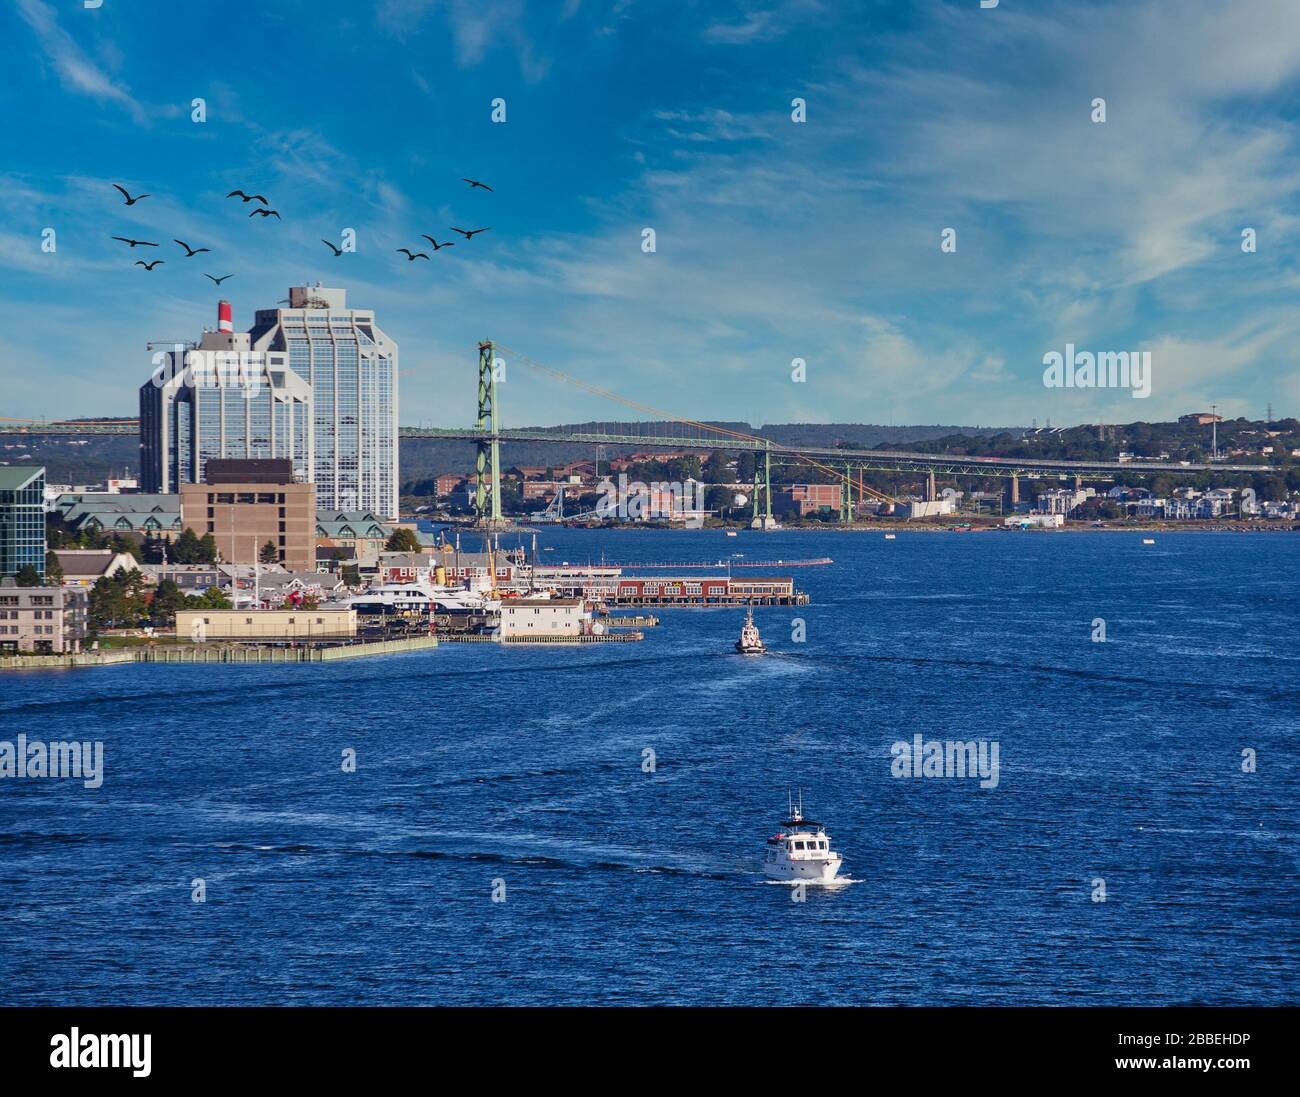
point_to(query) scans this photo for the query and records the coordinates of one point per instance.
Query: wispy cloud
(760, 24)
(74, 67)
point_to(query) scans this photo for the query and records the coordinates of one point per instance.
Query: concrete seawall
(217, 653)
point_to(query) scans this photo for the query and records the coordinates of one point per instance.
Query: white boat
(889, 536)
(1148, 540)
(801, 851)
(750, 643)
(731, 533)
(406, 599)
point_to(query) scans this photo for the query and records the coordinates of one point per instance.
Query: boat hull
(812, 871)
(751, 649)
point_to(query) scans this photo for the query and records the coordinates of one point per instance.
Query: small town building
(85, 567)
(544, 617)
(203, 625)
(41, 620)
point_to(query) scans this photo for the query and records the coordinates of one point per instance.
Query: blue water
(1119, 760)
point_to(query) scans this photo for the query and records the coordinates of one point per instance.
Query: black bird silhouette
(217, 280)
(437, 246)
(248, 197)
(189, 251)
(335, 250)
(266, 213)
(149, 266)
(129, 200)
(412, 256)
(475, 183)
(133, 243)
(471, 233)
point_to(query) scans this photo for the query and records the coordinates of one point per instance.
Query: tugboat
(801, 851)
(750, 643)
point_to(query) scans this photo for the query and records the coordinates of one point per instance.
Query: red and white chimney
(225, 322)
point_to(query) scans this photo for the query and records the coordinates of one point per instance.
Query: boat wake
(838, 882)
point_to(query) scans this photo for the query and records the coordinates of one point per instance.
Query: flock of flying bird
(265, 211)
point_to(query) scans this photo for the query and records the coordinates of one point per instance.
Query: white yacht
(405, 599)
(750, 643)
(801, 851)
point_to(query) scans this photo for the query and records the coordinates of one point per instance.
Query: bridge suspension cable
(662, 414)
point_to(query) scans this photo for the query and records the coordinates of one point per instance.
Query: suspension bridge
(669, 431)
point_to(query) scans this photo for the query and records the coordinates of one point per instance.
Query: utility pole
(1214, 432)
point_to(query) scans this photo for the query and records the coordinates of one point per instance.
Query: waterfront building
(448, 482)
(41, 620)
(1063, 500)
(406, 567)
(351, 366)
(246, 504)
(202, 625)
(22, 519)
(1034, 521)
(544, 617)
(924, 508)
(221, 398)
(807, 498)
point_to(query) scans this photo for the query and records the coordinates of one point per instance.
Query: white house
(544, 617)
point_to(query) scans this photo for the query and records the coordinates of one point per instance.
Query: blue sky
(775, 240)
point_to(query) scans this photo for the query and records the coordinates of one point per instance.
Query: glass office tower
(219, 399)
(351, 366)
(22, 519)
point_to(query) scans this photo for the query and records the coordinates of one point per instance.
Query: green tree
(117, 600)
(154, 550)
(718, 499)
(212, 598)
(28, 576)
(167, 599)
(53, 569)
(207, 550)
(185, 549)
(402, 540)
(715, 467)
(269, 554)
(131, 547)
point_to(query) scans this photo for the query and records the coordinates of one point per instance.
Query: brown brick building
(807, 498)
(246, 503)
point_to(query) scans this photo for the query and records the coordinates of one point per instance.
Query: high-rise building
(351, 366)
(22, 519)
(220, 399)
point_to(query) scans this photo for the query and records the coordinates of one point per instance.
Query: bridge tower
(765, 521)
(487, 463)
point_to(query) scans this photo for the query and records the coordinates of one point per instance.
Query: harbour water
(482, 768)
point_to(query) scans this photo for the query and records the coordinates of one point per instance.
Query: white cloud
(75, 69)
